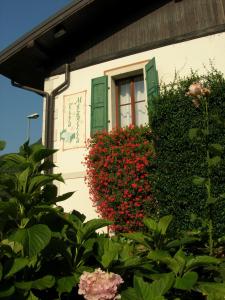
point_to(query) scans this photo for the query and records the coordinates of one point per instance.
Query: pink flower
(195, 89)
(99, 285)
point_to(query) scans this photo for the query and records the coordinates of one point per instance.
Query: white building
(97, 63)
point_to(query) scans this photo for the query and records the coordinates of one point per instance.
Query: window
(127, 97)
(130, 102)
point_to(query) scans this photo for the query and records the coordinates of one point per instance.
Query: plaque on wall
(73, 133)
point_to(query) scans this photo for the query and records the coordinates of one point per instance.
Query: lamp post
(32, 116)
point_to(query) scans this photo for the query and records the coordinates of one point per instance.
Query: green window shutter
(152, 84)
(99, 104)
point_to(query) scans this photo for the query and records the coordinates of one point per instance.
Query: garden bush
(180, 158)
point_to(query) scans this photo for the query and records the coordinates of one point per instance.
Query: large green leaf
(41, 153)
(64, 196)
(186, 282)
(32, 297)
(142, 288)
(111, 253)
(139, 237)
(41, 180)
(154, 290)
(39, 284)
(16, 158)
(162, 286)
(66, 284)
(164, 257)
(203, 260)
(42, 283)
(33, 239)
(23, 178)
(150, 223)
(163, 224)
(129, 294)
(215, 291)
(15, 266)
(90, 227)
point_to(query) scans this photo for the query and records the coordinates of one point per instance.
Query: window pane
(125, 93)
(141, 115)
(125, 115)
(139, 89)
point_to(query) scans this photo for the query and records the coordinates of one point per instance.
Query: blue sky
(18, 17)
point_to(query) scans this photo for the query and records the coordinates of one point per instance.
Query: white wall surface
(180, 58)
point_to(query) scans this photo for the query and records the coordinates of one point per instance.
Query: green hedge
(179, 158)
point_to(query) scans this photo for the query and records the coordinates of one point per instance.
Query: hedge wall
(179, 158)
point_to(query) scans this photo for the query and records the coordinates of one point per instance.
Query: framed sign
(73, 133)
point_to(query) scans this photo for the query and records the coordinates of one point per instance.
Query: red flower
(118, 166)
(134, 185)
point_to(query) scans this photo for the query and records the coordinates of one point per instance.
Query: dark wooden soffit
(94, 31)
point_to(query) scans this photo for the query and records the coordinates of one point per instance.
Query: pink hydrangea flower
(99, 285)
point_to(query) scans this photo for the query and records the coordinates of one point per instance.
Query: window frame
(121, 72)
(133, 101)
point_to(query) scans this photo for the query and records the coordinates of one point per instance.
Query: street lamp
(32, 116)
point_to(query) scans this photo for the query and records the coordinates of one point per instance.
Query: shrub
(119, 167)
(179, 159)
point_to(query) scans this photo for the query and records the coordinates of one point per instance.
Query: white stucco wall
(179, 58)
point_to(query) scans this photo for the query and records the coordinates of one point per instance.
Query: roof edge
(44, 26)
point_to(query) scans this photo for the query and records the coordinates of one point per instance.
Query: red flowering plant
(119, 165)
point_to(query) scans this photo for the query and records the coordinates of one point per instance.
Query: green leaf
(199, 181)
(16, 158)
(163, 224)
(212, 200)
(216, 147)
(214, 161)
(194, 133)
(129, 294)
(156, 289)
(150, 223)
(6, 291)
(162, 286)
(90, 227)
(33, 239)
(39, 181)
(15, 266)
(216, 291)
(138, 237)
(32, 297)
(23, 180)
(142, 288)
(203, 260)
(43, 283)
(66, 284)
(187, 282)
(41, 153)
(64, 196)
(2, 145)
(111, 253)
(164, 257)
